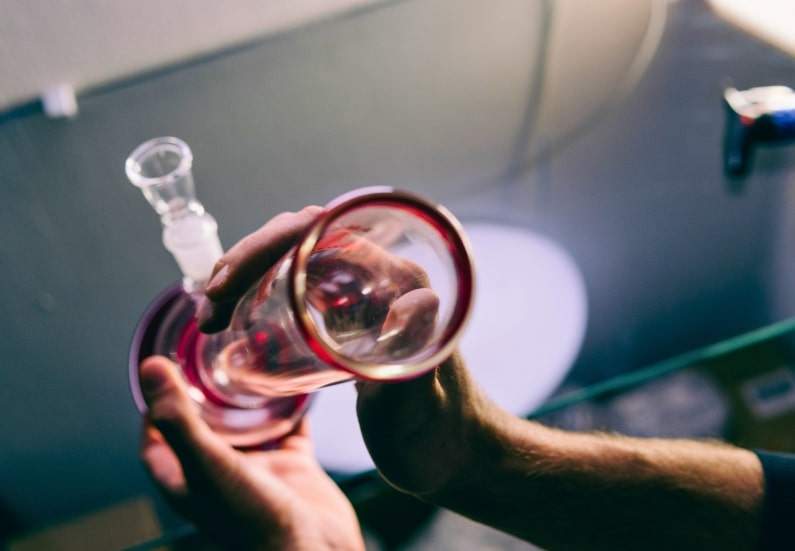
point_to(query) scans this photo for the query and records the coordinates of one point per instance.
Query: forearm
(591, 491)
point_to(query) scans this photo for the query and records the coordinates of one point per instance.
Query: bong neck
(162, 169)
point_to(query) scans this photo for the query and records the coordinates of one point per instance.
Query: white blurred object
(59, 101)
(595, 54)
(772, 21)
(552, 66)
(530, 315)
(93, 42)
(526, 330)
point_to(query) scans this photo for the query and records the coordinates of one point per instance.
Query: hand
(431, 435)
(275, 499)
(424, 435)
(439, 438)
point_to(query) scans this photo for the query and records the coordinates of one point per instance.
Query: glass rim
(449, 229)
(132, 165)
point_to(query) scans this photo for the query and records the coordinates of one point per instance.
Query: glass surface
(161, 168)
(168, 328)
(380, 288)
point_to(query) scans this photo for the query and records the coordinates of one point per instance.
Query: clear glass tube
(379, 288)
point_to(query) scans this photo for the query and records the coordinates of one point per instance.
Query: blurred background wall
(461, 100)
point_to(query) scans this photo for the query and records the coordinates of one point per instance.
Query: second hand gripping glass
(379, 288)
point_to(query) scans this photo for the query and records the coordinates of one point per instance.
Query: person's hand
(275, 499)
(425, 435)
(431, 435)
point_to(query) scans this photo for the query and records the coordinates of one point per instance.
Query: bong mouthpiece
(162, 169)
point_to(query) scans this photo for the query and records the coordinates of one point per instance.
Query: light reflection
(196, 394)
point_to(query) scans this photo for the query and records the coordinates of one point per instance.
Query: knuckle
(220, 263)
(311, 210)
(417, 274)
(282, 216)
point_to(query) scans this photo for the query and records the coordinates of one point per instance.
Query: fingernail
(218, 279)
(204, 312)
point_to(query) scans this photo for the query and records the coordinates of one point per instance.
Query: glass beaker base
(168, 328)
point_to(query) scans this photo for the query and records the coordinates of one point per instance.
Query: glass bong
(379, 288)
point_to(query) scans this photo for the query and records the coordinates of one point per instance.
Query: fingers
(160, 461)
(409, 324)
(247, 261)
(365, 251)
(205, 459)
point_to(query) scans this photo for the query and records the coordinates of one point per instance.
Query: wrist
(501, 445)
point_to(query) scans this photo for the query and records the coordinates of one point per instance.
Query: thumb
(409, 324)
(399, 424)
(404, 424)
(390, 412)
(206, 459)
